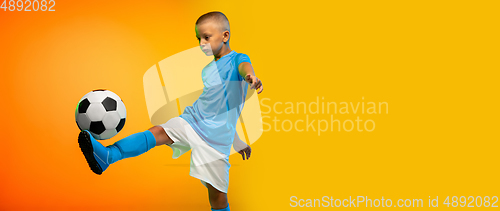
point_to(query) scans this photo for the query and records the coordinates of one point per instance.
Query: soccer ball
(101, 112)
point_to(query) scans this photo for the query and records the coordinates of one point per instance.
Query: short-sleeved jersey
(215, 113)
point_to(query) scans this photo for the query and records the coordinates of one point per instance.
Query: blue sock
(225, 209)
(131, 146)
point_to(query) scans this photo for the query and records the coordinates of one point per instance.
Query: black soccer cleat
(95, 153)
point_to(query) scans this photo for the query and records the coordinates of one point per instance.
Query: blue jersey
(215, 113)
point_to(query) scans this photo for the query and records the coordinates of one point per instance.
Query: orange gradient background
(434, 62)
(50, 60)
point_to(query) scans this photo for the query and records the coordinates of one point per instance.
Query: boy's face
(210, 37)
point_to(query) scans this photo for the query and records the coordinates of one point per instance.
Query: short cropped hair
(217, 17)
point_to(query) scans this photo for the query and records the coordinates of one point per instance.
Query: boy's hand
(241, 147)
(254, 82)
(247, 150)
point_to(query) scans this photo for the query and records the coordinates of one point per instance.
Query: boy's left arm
(246, 71)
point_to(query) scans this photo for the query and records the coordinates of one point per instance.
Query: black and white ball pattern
(101, 112)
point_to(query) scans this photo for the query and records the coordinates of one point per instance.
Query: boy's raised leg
(160, 136)
(99, 157)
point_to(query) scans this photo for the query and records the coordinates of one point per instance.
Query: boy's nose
(205, 46)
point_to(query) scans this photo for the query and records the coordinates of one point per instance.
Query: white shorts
(207, 164)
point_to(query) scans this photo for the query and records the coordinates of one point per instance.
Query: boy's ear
(226, 36)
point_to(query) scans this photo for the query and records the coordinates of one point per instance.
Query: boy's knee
(219, 202)
(160, 135)
(218, 199)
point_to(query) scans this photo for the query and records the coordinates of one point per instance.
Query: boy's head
(212, 32)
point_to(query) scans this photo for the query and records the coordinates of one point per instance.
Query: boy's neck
(223, 51)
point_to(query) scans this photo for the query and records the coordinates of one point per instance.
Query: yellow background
(434, 62)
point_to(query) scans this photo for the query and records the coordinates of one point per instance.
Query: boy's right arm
(241, 147)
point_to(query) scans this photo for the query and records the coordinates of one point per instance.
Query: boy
(207, 127)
